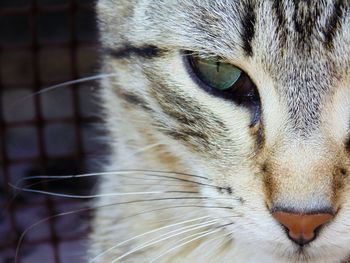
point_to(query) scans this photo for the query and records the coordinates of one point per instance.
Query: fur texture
(296, 157)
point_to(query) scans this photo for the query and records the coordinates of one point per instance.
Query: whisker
(15, 195)
(162, 185)
(143, 234)
(100, 195)
(20, 240)
(156, 240)
(130, 193)
(178, 206)
(200, 249)
(50, 179)
(67, 83)
(140, 151)
(119, 172)
(139, 177)
(202, 234)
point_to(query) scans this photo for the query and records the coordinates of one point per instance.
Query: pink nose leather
(301, 228)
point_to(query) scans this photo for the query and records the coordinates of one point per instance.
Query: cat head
(275, 145)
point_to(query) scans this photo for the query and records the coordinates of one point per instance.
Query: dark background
(43, 43)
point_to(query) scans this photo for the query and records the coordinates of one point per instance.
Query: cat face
(273, 149)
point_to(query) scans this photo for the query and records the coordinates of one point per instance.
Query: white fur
(301, 166)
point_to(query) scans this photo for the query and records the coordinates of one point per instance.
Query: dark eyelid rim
(203, 85)
(253, 106)
(199, 82)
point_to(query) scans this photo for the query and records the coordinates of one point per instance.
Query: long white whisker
(156, 240)
(159, 175)
(139, 151)
(67, 83)
(200, 248)
(205, 233)
(121, 172)
(127, 194)
(88, 196)
(177, 206)
(162, 185)
(188, 237)
(20, 240)
(146, 233)
(19, 243)
(139, 177)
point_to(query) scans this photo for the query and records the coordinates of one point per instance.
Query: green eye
(223, 80)
(214, 73)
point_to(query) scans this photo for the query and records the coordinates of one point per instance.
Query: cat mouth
(299, 254)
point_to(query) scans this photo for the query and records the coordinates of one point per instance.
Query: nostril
(301, 227)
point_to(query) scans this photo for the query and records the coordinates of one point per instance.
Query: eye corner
(204, 71)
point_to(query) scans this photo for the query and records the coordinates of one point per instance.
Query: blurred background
(44, 43)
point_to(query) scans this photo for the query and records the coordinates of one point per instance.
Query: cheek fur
(196, 161)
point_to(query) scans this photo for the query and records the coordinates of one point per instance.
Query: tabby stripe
(190, 126)
(305, 18)
(248, 26)
(134, 99)
(334, 22)
(278, 8)
(148, 51)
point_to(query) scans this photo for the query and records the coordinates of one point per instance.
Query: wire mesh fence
(45, 42)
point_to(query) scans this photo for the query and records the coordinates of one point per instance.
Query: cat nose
(301, 227)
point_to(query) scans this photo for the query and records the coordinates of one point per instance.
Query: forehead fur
(237, 31)
(216, 26)
(294, 158)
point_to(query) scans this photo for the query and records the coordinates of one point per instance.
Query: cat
(228, 124)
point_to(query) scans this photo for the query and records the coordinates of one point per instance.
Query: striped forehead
(227, 24)
(308, 58)
(303, 45)
(298, 43)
